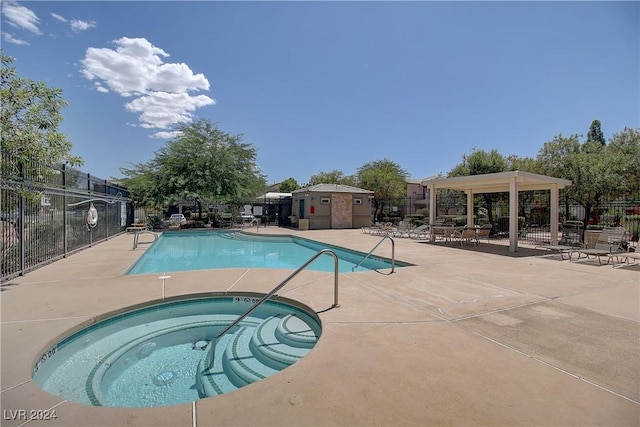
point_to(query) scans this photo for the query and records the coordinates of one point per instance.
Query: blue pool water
(184, 251)
(160, 355)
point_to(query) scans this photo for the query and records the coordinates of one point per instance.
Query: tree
(524, 164)
(333, 177)
(30, 117)
(623, 159)
(481, 162)
(201, 162)
(595, 133)
(596, 169)
(585, 165)
(386, 179)
(289, 185)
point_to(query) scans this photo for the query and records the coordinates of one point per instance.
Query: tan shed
(325, 206)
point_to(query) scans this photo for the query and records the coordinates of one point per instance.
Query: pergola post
(432, 208)
(513, 215)
(432, 205)
(469, 208)
(554, 214)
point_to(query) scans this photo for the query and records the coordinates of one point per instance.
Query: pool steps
(254, 353)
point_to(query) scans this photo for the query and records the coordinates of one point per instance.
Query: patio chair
(483, 232)
(610, 243)
(441, 229)
(226, 219)
(468, 235)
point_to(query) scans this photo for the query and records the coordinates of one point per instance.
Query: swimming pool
(160, 354)
(198, 250)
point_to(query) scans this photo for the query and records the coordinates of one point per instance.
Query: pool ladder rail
(270, 294)
(136, 237)
(393, 253)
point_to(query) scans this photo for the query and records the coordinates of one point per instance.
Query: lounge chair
(570, 241)
(610, 243)
(421, 232)
(379, 229)
(626, 259)
(403, 229)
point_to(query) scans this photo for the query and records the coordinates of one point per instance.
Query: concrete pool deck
(472, 336)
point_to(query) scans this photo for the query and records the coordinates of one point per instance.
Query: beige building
(325, 206)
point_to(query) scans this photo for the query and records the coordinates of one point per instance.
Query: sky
(323, 86)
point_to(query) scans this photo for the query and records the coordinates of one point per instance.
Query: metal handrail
(257, 221)
(393, 253)
(136, 237)
(273, 291)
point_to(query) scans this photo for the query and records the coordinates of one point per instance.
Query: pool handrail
(393, 253)
(276, 289)
(136, 237)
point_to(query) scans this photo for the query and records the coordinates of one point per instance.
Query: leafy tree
(30, 117)
(289, 185)
(595, 133)
(524, 164)
(333, 177)
(201, 162)
(594, 168)
(481, 162)
(586, 165)
(386, 179)
(623, 159)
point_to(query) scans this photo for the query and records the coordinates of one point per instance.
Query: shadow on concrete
(494, 249)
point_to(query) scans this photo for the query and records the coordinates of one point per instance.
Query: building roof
(273, 195)
(497, 182)
(332, 188)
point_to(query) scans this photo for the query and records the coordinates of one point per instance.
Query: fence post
(21, 221)
(65, 241)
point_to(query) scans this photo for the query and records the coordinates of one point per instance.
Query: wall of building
(320, 219)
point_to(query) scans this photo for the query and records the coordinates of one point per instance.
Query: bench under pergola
(502, 182)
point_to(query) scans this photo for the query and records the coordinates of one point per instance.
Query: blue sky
(322, 86)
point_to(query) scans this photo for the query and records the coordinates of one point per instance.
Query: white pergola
(511, 182)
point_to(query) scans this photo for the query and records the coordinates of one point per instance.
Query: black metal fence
(48, 212)
(622, 209)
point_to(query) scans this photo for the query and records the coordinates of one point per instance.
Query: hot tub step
(295, 332)
(239, 362)
(270, 350)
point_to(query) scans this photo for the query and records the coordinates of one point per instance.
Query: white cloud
(78, 25)
(135, 68)
(165, 135)
(9, 38)
(20, 17)
(58, 17)
(163, 109)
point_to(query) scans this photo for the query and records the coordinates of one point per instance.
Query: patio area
(473, 335)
